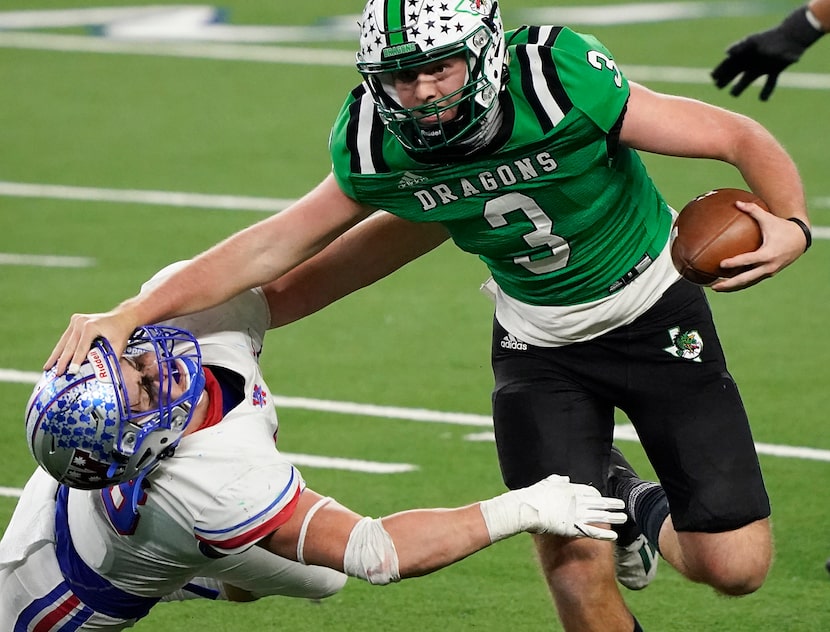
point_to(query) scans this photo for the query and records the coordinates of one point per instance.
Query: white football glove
(553, 505)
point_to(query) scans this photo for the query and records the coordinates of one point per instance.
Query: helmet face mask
(397, 37)
(85, 430)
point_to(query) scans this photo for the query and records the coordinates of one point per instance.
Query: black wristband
(808, 235)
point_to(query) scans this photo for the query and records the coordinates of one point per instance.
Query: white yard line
(135, 196)
(45, 261)
(325, 57)
(305, 460)
(181, 199)
(193, 50)
(623, 432)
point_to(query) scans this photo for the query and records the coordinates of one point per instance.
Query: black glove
(766, 53)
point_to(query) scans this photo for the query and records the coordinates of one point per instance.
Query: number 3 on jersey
(495, 212)
(599, 61)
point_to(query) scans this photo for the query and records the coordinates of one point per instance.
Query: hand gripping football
(710, 229)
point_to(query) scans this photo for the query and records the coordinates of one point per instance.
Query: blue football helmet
(84, 430)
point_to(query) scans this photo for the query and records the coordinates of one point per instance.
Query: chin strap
(138, 489)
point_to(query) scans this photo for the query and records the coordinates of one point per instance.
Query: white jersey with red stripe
(225, 487)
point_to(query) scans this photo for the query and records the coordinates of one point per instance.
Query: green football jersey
(560, 214)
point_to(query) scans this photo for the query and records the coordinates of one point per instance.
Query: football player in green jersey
(522, 147)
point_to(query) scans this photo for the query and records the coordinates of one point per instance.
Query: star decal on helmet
(399, 35)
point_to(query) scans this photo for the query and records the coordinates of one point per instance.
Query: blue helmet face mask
(85, 431)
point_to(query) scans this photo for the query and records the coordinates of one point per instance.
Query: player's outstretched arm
(420, 541)
(367, 252)
(251, 257)
(770, 52)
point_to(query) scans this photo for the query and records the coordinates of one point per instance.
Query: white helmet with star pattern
(396, 35)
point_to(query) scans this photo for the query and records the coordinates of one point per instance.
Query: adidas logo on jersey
(410, 179)
(511, 342)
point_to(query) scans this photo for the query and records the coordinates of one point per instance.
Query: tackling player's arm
(677, 126)
(380, 551)
(412, 543)
(373, 249)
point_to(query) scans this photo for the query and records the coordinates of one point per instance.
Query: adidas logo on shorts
(511, 342)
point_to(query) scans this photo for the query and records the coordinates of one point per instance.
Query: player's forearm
(770, 172)
(218, 274)
(252, 257)
(371, 250)
(427, 540)
(405, 544)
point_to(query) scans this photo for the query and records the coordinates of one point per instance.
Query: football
(710, 229)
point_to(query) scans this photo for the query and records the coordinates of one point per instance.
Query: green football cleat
(636, 563)
(635, 558)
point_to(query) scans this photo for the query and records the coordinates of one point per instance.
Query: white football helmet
(398, 35)
(84, 431)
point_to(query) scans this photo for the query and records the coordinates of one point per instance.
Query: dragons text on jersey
(504, 175)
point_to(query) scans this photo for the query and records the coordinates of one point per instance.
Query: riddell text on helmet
(100, 368)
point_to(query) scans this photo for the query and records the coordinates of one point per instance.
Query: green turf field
(211, 120)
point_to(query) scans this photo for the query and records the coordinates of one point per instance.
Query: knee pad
(370, 553)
